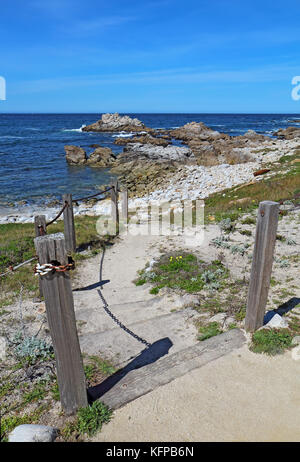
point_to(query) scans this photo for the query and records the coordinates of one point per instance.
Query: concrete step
(115, 344)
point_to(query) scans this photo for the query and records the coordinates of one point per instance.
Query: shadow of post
(282, 309)
(149, 355)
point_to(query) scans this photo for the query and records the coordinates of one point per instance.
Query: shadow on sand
(151, 354)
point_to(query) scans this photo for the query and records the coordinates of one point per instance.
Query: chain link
(112, 316)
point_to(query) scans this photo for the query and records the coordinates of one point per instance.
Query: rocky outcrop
(289, 133)
(140, 152)
(144, 167)
(75, 155)
(211, 147)
(144, 139)
(141, 178)
(101, 157)
(199, 131)
(115, 123)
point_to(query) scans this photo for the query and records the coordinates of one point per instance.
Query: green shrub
(91, 418)
(210, 330)
(271, 341)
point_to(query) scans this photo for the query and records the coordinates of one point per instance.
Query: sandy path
(239, 397)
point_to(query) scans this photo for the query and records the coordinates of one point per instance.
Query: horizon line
(154, 113)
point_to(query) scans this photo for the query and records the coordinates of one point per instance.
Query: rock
(196, 130)
(115, 123)
(101, 157)
(229, 321)
(220, 317)
(75, 155)
(185, 301)
(261, 172)
(143, 139)
(289, 133)
(138, 151)
(3, 345)
(29, 433)
(211, 147)
(296, 340)
(276, 322)
(252, 136)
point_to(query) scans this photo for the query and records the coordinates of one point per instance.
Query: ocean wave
(123, 135)
(11, 137)
(79, 130)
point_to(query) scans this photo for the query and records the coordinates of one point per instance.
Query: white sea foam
(123, 135)
(79, 130)
(11, 137)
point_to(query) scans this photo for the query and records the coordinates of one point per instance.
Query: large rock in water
(101, 157)
(197, 130)
(289, 133)
(115, 123)
(75, 155)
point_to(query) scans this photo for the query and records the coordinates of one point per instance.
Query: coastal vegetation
(16, 246)
(213, 283)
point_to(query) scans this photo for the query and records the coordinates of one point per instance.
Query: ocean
(33, 168)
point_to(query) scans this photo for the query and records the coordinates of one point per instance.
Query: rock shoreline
(152, 168)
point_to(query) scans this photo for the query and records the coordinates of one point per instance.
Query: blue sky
(149, 56)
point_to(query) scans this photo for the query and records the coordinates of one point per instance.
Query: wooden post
(114, 205)
(40, 230)
(62, 324)
(266, 228)
(40, 225)
(124, 199)
(69, 226)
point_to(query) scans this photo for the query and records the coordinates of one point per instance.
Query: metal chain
(113, 317)
(122, 326)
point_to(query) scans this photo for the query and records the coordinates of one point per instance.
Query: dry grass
(240, 200)
(16, 246)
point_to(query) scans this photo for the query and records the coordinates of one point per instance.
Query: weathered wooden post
(40, 225)
(40, 229)
(266, 228)
(124, 200)
(114, 206)
(69, 226)
(59, 302)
